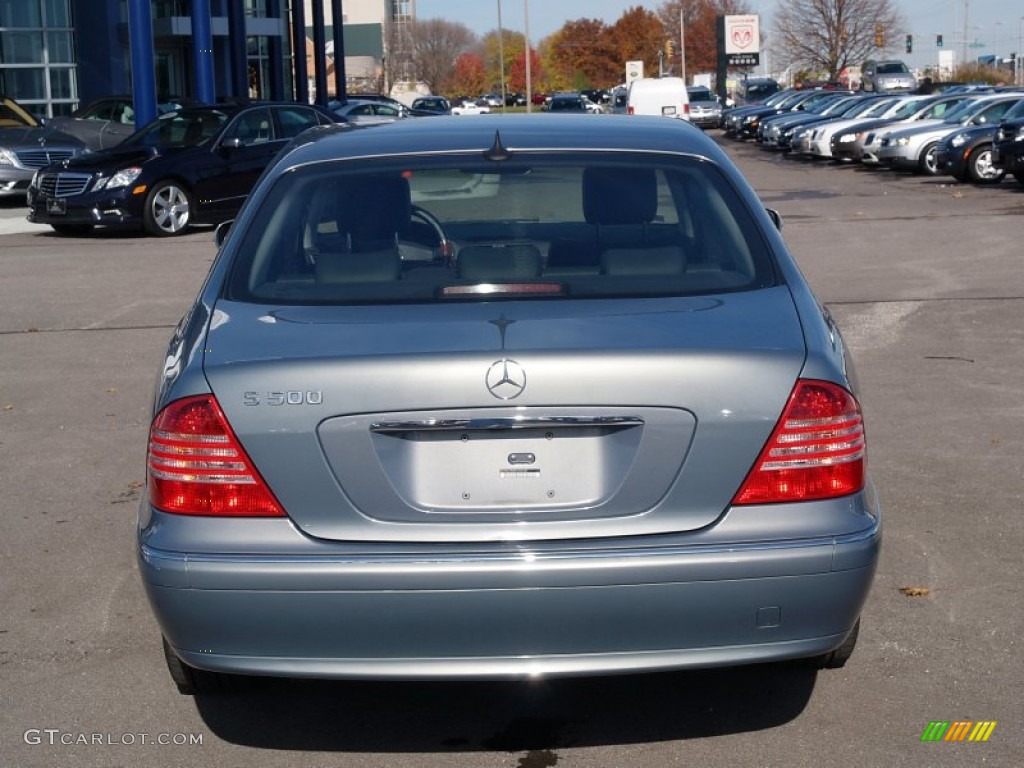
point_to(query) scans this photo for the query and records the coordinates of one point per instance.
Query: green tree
(512, 45)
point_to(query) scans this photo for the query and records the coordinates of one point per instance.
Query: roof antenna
(497, 151)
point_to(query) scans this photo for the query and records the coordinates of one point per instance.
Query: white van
(664, 96)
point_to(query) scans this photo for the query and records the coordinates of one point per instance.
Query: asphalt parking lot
(925, 276)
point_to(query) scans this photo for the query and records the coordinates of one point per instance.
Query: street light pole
(529, 84)
(501, 55)
(1020, 52)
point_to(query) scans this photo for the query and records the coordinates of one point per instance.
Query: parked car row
(195, 165)
(973, 135)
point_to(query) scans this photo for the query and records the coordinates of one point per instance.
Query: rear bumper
(517, 614)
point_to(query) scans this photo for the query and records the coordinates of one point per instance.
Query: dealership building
(55, 54)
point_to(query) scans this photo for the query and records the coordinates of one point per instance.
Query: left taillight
(197, 466)
(817, 450)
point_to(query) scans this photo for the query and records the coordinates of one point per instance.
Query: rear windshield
(465, 229)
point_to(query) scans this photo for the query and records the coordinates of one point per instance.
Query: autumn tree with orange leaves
(638, 35)
(469, 76)
(700, 20)
(517, 74)
(580, 55)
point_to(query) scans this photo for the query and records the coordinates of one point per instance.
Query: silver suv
(885, 76)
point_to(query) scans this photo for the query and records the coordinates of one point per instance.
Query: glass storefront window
(20, 47)
(163, 9)
(256, 9)
(58, 14)
(59, 48)
(61, 84)
(20, 13)
(24, 84)
(37, 57)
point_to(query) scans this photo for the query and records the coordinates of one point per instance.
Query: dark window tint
(462, 229)
(294, 120)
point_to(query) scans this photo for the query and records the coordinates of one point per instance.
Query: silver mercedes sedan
(507, 398)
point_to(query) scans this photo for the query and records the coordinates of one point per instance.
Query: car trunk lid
(511, 420)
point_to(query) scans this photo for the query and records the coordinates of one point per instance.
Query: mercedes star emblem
(506, 379)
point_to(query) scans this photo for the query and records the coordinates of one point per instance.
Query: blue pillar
(202, 51)
(319, 53)
(299, 53)
(239, 49)
(140, 44)
(340, 87)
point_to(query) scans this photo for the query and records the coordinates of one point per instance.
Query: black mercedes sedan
(192, 166)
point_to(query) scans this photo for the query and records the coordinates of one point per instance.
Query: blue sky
(926, 19)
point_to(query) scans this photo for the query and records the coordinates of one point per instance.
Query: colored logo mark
(958, 730)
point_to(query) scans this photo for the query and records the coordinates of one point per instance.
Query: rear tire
(838, 658)
(979, 166)
(1019, 176)
(192, 681)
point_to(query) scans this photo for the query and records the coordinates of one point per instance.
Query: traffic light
(879, 36)
(670, 48)
(938, 41)
(910, 43)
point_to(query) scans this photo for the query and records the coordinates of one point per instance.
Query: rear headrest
(619, 195)
(375, 207)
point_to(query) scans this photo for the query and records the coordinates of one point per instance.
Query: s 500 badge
(288, 397)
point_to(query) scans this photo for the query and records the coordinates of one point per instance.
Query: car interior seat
(371, 213)
(621, 204)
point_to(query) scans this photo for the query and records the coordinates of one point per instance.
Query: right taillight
(815, 452)
(198, 467)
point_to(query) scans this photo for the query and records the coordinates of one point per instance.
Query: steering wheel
(444, 244)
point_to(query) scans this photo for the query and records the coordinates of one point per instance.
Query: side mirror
(232, 143)
(220, 234)
(776, 218)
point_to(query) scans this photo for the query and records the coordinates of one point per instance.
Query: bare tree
(825, 36)
(436, 44)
